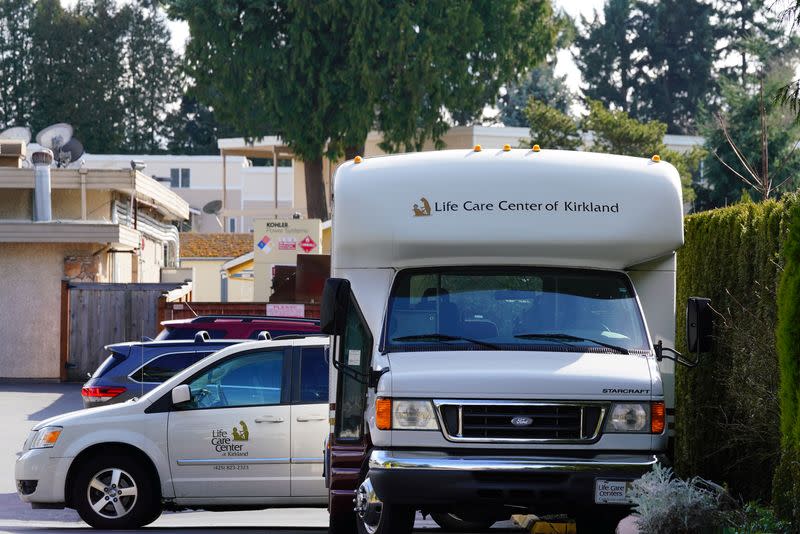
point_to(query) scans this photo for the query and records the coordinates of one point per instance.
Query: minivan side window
(312, 382)
(165, 367)
(251, 379)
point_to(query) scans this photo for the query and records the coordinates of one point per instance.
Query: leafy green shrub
(728, 420)
(755, 519)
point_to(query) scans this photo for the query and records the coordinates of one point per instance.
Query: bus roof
(498, 207)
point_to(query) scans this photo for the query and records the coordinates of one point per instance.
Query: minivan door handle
(269, 419)
(305, 418)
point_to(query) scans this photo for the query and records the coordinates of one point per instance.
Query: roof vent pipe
(42, 209)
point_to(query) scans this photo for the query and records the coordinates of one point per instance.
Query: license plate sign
(612, 491)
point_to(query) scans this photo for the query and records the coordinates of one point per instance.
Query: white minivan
(242, 428)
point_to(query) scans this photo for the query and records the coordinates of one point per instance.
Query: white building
(249, 184)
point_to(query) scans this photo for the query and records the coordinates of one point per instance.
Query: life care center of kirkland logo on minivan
(423, 207)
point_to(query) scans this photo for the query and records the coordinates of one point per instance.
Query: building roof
(130, 182)
(215, 245)
(255, 148)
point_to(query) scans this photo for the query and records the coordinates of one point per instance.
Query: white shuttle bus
(501, 322)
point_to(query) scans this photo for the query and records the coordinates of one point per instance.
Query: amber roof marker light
(656, 158)
(476, 148)
(357, 159)
(535, 148)
(506, 148)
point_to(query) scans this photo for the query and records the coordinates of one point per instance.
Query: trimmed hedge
(786, 489)
(727, 420)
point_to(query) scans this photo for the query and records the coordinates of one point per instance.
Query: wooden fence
(95, 315)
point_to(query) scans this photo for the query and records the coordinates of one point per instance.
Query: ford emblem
(522, 421)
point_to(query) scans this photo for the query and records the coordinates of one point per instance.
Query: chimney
(42, 209)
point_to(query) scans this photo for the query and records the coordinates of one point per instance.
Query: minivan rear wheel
(115, 492)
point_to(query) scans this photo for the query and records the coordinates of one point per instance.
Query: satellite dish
(55, 136)
(22, 133)
(213, 207)
(70, 152)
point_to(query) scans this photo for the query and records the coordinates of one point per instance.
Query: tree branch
(734, 171)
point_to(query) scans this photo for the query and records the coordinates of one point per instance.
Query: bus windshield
(513, 308)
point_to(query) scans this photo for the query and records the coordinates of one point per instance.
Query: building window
(232, 225)
(268, 162)
(180, 178)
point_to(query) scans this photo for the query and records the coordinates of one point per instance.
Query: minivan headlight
(629, 417)
(46, 437)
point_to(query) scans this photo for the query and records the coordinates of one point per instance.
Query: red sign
(287, 243)
(308, 244)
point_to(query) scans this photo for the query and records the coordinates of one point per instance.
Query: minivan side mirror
(181, 394)
(334, 306)
(698, 325)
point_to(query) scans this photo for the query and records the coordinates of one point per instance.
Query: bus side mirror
(335, 302)
(698, 325)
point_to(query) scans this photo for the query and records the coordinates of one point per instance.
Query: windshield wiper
(446, 337)
(567, 337)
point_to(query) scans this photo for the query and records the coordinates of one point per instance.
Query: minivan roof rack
(251, 318)
(298, 336)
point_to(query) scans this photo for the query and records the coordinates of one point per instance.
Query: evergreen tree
(77, 70)
(751, 35)
(541, 84)
(606, 56)
(551, 127)
(107, 70)
(15, 62)
(194, 129)
(651, 59)
(675, 74)
(151, 80)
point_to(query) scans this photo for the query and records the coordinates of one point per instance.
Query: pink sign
(286, 310)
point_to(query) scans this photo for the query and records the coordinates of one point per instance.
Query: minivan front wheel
(115, 492)
(376, 517)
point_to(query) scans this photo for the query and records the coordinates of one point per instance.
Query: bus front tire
(376, 517)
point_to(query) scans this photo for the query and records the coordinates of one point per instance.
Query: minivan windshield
(513, 308)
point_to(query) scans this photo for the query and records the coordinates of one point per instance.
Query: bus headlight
(629, 417)
(413, 415)
(405, 414)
